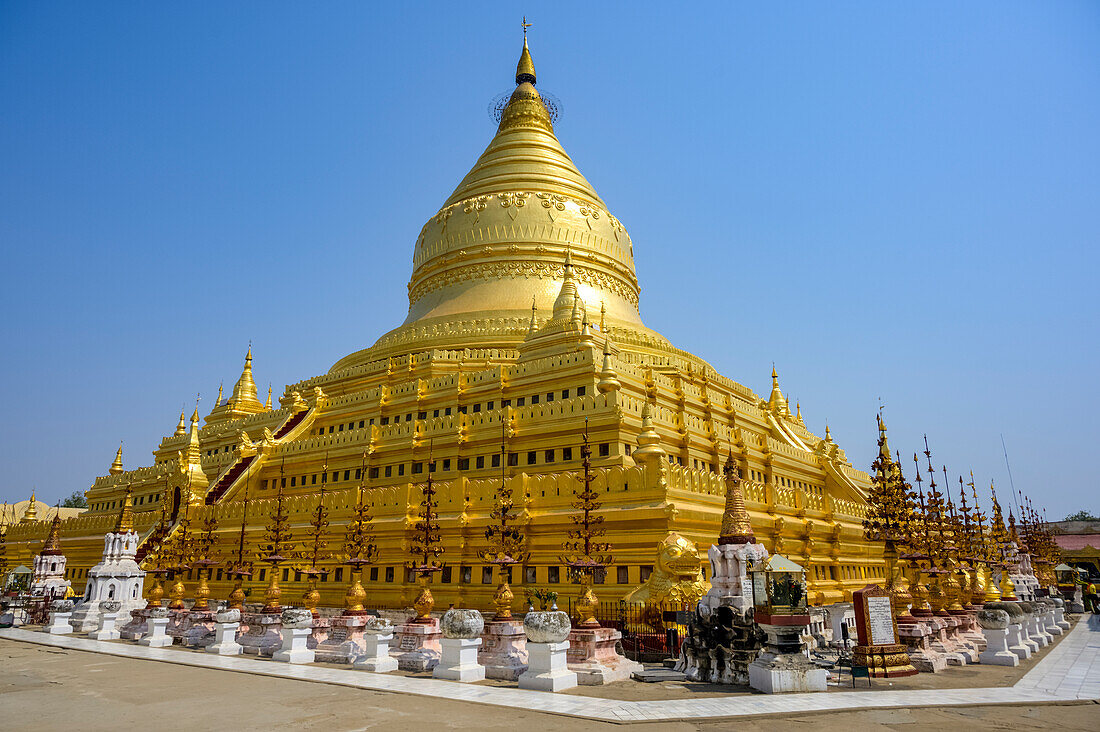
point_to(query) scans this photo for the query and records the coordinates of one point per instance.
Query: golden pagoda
(507, 277)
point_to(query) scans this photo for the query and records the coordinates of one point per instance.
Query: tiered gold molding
(636, 508)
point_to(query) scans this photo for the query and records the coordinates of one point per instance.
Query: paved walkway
(1070, 672)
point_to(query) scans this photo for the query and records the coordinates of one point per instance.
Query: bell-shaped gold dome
(499, 242)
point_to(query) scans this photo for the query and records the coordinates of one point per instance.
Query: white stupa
(117, 576)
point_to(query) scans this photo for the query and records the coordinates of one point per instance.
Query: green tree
(1082, 516)
(76, 500)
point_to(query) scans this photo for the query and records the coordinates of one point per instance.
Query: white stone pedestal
(458, 660)
(774, 674)
(546, 668)
(1049, 625)
(996, 651)
(294, 648)
(59, 624)
(1060, 618)
(107, 629)
(376, 656)
(157, 637)
(225, 640)
(1016, 644)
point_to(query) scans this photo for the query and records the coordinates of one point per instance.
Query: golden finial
(268, 404)
(52, 547)
(125, 523)
(525, 69)
(218, 401)
(181, 428)
(736, 527)
(31, 514)
(116, 466)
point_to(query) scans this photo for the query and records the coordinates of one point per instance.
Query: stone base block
(264, 635)
(200, 630)
(136, 628)
(225, 640)
(503, 650)
(344, 643)
(59, 624)
(418, 646)
(783, 673)
(376, 656)
(107, 629)
(547, 668)
(458, 660)
(295, 649)
(156, 637)
(593, 656)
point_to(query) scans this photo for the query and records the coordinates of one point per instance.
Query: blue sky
(888, 201)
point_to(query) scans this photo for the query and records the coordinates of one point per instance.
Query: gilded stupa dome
(500, 240)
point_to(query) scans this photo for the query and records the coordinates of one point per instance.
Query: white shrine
(117, 577)
(49, 566)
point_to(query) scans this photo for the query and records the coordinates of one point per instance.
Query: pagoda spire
(566, 300)
(267, 405)
(736, 526)
(125, 522)
(244, 391)
(776, 402)
(218, 401)
(609, 380)
(31, 514)
(181, 428)
(116, 466)
(534, 327)
(52, 547)
(525, 69)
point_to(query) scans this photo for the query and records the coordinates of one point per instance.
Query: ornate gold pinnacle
(424, 601)
(355, 595)
(176, 594)
(237, 596)
(736, 526)
(155, 596)
(272, 594)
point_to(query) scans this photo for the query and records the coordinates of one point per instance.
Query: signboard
(759, 589)
(880, 621)
(874, 619)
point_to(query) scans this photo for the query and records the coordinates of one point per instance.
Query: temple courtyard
(128, 684)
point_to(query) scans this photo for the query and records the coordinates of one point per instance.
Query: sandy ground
(46, 689)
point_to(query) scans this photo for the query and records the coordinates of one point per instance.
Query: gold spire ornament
(279, 545)
(240, 568)
(315, 551)
(31, 514)
(52, 547)
(504, 538)
(582, 552)
(889, 520)
(125, 522)
(425, 546)
(736, 526)
(116, 466)
(203, 561)
(359, 548)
